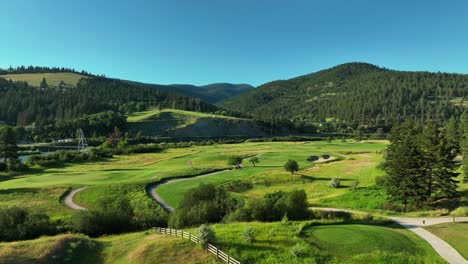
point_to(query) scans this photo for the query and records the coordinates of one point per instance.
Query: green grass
(154, 113)
(53, 79)
(39, 200)
(355, 161)
(456, 234)
(141, 248)
(345, 240)
(327, 243)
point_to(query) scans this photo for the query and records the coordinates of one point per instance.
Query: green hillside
(53, 79)
(143, 247)
(357, 93)
(173, 122)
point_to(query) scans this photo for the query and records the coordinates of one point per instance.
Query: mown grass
(53, 79)
(354, 161)
(154, 113)
(456, 234)
(274, 243)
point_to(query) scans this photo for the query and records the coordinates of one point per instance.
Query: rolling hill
(359, 93)
(179, 123)
(212, 93)
(69, 79)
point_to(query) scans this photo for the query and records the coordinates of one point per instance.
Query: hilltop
(359, 93)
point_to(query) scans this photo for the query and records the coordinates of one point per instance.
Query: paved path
(443, 248)
(152, 188)
(69, 199)
(415, 224)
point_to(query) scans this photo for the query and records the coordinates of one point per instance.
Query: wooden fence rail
(210, 248)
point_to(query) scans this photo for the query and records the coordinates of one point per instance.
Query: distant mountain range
(212, 93)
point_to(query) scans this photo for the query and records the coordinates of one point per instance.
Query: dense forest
(40, 69)
(96, 105)
(357, 94)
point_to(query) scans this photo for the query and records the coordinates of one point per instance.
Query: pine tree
(445, 169)
(405, 177)
(43, 84)
(453, 134)
(428, 143)
(8, 147)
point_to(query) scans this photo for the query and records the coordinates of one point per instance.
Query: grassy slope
(456, 234)
(141, 247)
(154, 113)
(169, 122)
(53, 79)
(273, 243)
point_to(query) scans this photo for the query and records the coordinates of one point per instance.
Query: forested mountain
(212, 93)
(357, 94)
(53, 112)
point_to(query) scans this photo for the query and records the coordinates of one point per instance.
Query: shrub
(291, 166)
(203, 204)
(335, 182)
(239, 186)
(3, 167)
(18, 224)
(461, 211)
(248, 235)
(17, 166)
(380, 181)
(301, 250)
(206, 235)
(112, 216)
(274, 206)
(234, 160)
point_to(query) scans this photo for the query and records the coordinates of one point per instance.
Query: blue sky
(242, 41)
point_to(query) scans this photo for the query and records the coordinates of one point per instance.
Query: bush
(112, 216)
(17, 166)
(291, 166)
(18, 224)
(461, 211)
(239, 186)
(203, 204)
(206, 235)
(301, 250)
(3, 167)
(335, 182)
(248, 235)
(274, 206)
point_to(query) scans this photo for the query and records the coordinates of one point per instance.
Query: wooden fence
(210, 248)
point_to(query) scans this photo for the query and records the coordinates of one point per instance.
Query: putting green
(349, 239)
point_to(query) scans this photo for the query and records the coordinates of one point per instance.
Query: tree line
(357, 94)
(422, 161)
(48, 112)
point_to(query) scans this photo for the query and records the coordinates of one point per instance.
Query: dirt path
(152, 188)
(68, 200)
(415, 225)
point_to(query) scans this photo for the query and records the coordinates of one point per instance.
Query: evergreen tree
(405, 178)
(445, 169)
(452, 133)
(43, 84)
(464, 145)
(8, 147)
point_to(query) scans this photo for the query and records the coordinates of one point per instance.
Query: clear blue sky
(239, 41)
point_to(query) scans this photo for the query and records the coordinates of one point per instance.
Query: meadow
(140, 247)
(52, 79)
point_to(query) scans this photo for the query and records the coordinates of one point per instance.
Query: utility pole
(82, 143)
